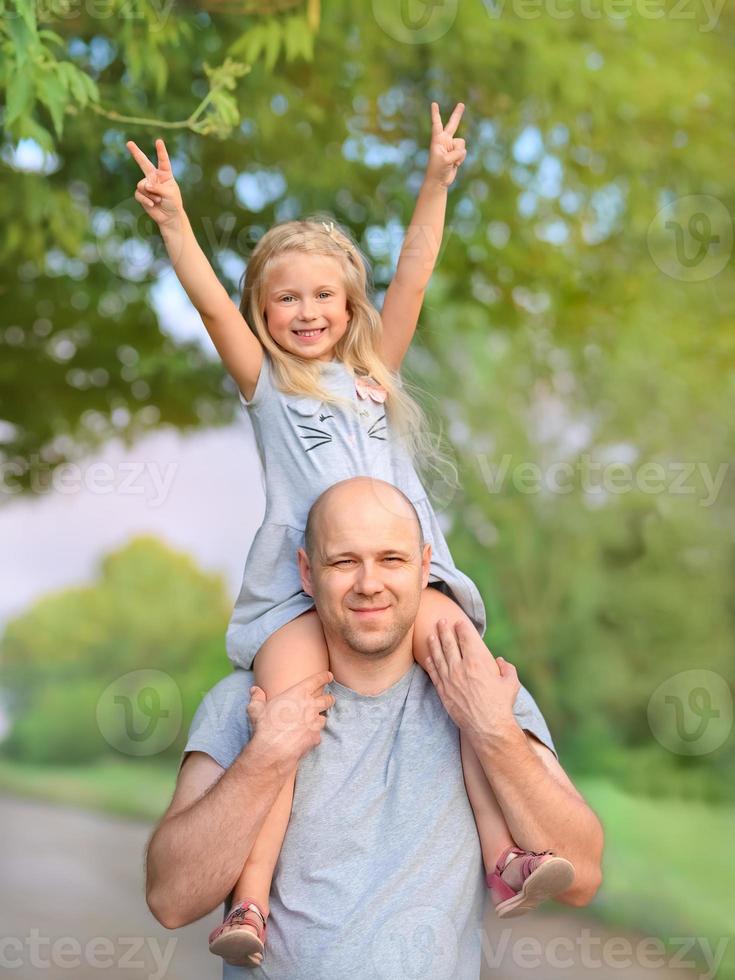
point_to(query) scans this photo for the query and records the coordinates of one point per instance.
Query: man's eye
(392, 558)
(344, 561)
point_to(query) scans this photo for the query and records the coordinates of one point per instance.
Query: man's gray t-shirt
(380, 876)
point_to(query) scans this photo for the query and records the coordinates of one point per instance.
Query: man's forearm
(541, 813)
(196, 856)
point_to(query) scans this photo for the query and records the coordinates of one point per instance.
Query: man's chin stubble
(374, 647)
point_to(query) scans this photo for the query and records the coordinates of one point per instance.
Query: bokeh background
(576, 348)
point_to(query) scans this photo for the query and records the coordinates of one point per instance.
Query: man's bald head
(354, 493)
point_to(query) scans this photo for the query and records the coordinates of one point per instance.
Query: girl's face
(306, 305)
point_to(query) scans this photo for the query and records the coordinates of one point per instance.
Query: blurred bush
(150, 609)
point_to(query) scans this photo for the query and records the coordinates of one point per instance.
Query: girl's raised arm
(160, 197)
(405, 295)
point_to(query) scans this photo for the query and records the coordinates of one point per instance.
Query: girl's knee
(293, 652)
(434, 605)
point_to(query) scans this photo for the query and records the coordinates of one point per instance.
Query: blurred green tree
(150, 608)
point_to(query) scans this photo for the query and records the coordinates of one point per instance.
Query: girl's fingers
(454, 119)
(436, 119)
(142, 199)
(163, 161)
(148, 191)
(140, 158)
(150, 187)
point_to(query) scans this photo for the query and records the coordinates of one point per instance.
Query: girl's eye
(291, 297)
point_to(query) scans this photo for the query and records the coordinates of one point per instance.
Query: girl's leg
(292, 653)
(495, 837)
(523, 879)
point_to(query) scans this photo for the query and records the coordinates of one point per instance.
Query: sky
(201, 493)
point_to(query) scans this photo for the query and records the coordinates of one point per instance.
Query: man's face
(367, 570)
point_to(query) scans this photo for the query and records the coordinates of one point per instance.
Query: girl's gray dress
(305, 446)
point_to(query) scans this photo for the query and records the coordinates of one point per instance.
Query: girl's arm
(405, 295)
(160, 197)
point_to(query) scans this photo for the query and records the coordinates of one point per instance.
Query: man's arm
(198, 850)
(542, 807)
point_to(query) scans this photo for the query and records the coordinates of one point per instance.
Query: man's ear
(425, 565)
(305, 571)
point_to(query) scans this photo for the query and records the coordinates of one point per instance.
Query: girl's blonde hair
(358, 349)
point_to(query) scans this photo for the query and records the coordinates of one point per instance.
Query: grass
(668, 867)
(669, 864)
(130, 789)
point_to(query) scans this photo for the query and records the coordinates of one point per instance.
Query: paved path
(72, 906)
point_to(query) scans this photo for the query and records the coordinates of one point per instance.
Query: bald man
(380, 874)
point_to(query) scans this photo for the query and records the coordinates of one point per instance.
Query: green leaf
(27, 12)
(53, 94)
(19, 96)
(28, 128)
(273, 44)
(51, 36)
(21, 38)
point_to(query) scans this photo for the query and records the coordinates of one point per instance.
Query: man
(380, 875)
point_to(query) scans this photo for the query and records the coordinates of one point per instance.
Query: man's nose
(368, 581)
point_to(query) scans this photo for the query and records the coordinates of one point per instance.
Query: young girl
(317, 368)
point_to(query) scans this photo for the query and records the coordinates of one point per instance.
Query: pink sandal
(543, 875)
(234, 942)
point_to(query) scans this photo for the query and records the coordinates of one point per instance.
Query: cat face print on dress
(317, 424)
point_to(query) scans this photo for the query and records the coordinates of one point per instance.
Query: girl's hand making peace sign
(446, 154)
(158, 191)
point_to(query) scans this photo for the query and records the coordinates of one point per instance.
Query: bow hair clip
(367, 388)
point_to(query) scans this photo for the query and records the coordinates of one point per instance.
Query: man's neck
(369, 674)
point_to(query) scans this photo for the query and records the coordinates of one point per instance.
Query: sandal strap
(238, 913)
(517, 852)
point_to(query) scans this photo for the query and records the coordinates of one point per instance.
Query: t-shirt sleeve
(261, 387)
(530, 719)
(220, 727)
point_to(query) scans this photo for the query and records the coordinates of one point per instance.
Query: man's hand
(477, 690)
(289, 725)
